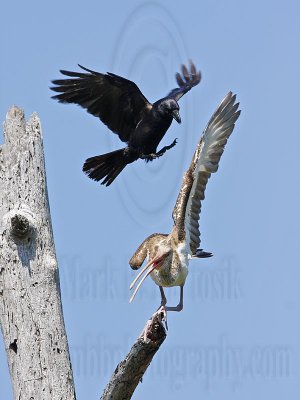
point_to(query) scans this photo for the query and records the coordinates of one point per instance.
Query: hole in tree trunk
(13, 346)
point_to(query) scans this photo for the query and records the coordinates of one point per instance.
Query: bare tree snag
(30, 305)
(130, 371)
(31, 316)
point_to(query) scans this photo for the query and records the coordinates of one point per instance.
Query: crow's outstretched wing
(117, 101)
(205, 161)
(186, 81)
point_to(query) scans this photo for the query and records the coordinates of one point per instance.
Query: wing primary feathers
(186, 80)
(192, 68)
(205, 161)
(179, 80)
(185, 73)
(116, 101)
(89, 70)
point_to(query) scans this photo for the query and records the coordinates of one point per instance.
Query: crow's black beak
(176, 116)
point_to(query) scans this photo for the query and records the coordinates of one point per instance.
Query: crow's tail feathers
(107, 166)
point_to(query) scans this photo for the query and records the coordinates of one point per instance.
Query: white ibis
(168, 254)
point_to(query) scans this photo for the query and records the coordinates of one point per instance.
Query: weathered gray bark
(31, 316)
(30, 305)
(130, 371)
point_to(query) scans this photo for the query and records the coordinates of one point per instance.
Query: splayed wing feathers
(117, 101)
(186, 80)
(205, 161)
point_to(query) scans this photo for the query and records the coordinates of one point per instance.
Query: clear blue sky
(238, 335)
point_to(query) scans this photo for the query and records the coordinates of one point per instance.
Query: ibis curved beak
(176, 116)
(153, 264)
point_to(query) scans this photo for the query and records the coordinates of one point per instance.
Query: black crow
(122, 107)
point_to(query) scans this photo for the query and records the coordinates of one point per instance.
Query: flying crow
(122, 107)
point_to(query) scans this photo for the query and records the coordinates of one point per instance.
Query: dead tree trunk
(30, 305)
(31, 316)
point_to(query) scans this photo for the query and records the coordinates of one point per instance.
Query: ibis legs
(179, 306)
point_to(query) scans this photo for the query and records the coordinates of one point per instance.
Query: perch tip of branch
(154, 329)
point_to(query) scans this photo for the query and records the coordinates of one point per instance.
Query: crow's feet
(164, 149)
(149, 157)
(153, 156)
